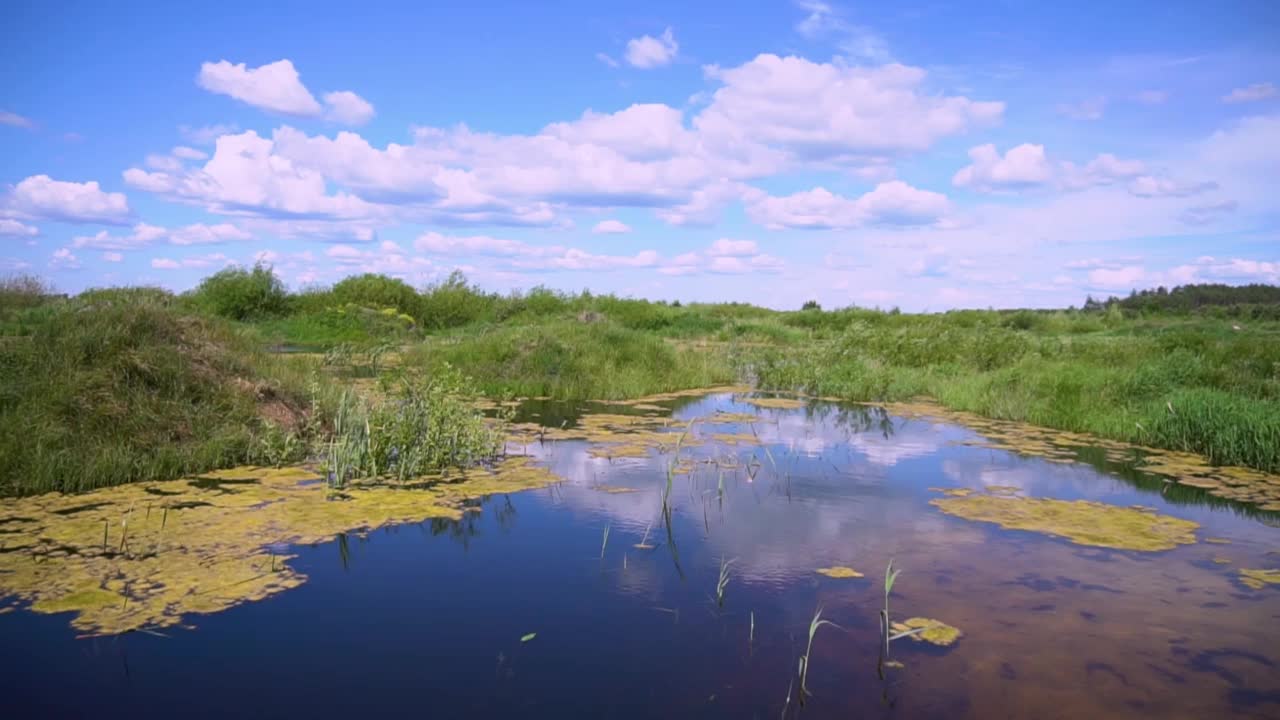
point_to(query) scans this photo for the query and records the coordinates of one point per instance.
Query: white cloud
(275, 86)
(1087, 109)
(649, 52)
(607, 60)
(187, 153)
(245, 176)
(891, 203)
(348, 108)
(13, 228)
(1251, 93)
(1027, 166)
(1021, 166)
(854, 41)
(433, 242)
(145, 235)
(1151, 186)
(200, 261)
(112, 257)
(611, 227)
(64, 259)
(15, 120)
(40, 196)
(854, 116)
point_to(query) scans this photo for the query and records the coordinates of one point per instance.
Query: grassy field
(119, 385)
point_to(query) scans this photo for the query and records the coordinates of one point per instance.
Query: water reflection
(1051, 629)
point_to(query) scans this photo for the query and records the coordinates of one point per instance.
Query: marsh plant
(805, 661)
(886, 624)
(424, 424)
(722, 581)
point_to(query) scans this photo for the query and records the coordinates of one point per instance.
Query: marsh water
(583, 600)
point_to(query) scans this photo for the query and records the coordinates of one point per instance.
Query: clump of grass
(604, 541)
(424, 424)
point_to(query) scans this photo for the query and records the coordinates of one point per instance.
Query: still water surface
(427, 620)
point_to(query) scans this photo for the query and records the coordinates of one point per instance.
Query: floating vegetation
(931, 631)
(736, 438)
(1217, 541)
(528, 637)
(615, 489)
(1083, 522)
(1221, 561)
(1258, 579)
(776, 403)
(730, 418)
(839, 572)
(214, 553)
(1239, 484)
(953, 492)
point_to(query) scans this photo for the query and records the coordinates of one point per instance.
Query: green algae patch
(735, 438)
(1217, 541)
(1259, 579)
(776, 403)
(139, 560)
(839, 572)
(730, 418)
(1083, 522)
(953, 492)
(935, 632)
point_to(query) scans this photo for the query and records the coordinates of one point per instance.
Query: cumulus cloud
(835, 113)
(611, 227)
(647, 51)
(16, 120)
(112, 257)
(13, 228)
(348, 108)
(1250, 93)
(606, 59)
(40, 196)
(1021, 166)
(144, 235)
(891, 203)
(64, 259)
(277, 87)
(1027, 166)
(723, 257)
(1152, 186)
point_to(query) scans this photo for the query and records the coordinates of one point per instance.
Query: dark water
(427, 620)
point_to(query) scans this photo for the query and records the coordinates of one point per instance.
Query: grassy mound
(116, 386)
(572, 359)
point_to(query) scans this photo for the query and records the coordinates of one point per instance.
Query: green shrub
(378, 291)
(242, 294)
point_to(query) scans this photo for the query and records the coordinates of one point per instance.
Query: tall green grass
(122, 385)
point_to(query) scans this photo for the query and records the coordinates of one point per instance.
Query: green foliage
(122, 385)
(378, 291)
(242, 294)
(571, 359)
(453, 303)
(426, 423)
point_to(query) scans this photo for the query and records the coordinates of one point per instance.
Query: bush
(454, 303)
(378, 291)
(241, 294)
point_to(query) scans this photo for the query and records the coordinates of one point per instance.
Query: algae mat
(1083, 522)
(143, 556)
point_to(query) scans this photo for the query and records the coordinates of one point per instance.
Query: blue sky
(926, 156)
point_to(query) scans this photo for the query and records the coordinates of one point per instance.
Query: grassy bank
(121, 385)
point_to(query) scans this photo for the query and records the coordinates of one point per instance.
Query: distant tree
(811, 305)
